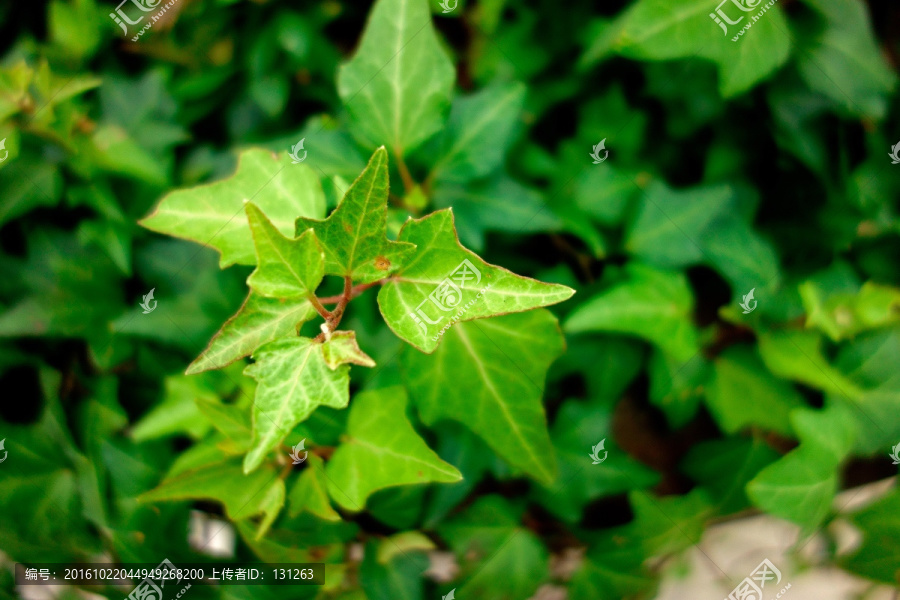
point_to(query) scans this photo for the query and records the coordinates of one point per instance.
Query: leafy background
(757, 164)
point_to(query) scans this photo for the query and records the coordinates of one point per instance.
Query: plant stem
(317, 304)
(356, 291)
(408, 182)
(338, 312)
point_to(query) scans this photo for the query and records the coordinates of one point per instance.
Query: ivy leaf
(444, 279)
(342, 349)
(285, 268)
(744, 393)
(879, 555)
(381, 450)
(397, 86)
(845, 62)
(579, 426)
(258, 321)
(354, 235)
(489, 376)
(800, 486)
(478, 133)
(294, 380)
(505, 560)
(243, 496)
(209, 214)
(309, 492)
(655, 305)
(797, 355)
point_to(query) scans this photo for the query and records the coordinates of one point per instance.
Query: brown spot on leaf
(347, 228)
(382, 264)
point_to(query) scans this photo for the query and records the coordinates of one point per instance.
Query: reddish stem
(354, 292)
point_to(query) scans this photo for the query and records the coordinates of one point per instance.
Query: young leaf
(354, 235)
(293, 381)
(446, 283)
(489, 376)
(397, 86)
(381, 450)
(285, 268)
(342, 349)
(258, 321)
(210, 214)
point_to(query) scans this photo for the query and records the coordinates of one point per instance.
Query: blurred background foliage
(758, 164)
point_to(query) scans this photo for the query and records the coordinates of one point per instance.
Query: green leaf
(670, 524)
(502, 558)
(613, 569)
(669, 223)
(879, 555)
(398, 579)
(233, 421)
(654, 305)
(342, 349)
(210, 214)
(381, 450)
(845, 63)
(285, 267)
(801, 485)
(743, 393)
(842, 316)
(243, 496)
(259, 320)
(294, 380)
(489, 376)
(310, 492)
(660, 30)
(479, 133)
(445, 283)
(178, 412)
(354, 235)
(397, 86)
(497, 204)
(797, 355)
(577, 428)
(723, 468)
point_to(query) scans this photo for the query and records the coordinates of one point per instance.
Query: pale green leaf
(445, 283)
(797, 355)
(285, 267)
(342, 349)
(381, 450)
(211, 214)
(258, 321)
(489, 376)
(293, 381)
(354, 235)
(397, 86)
